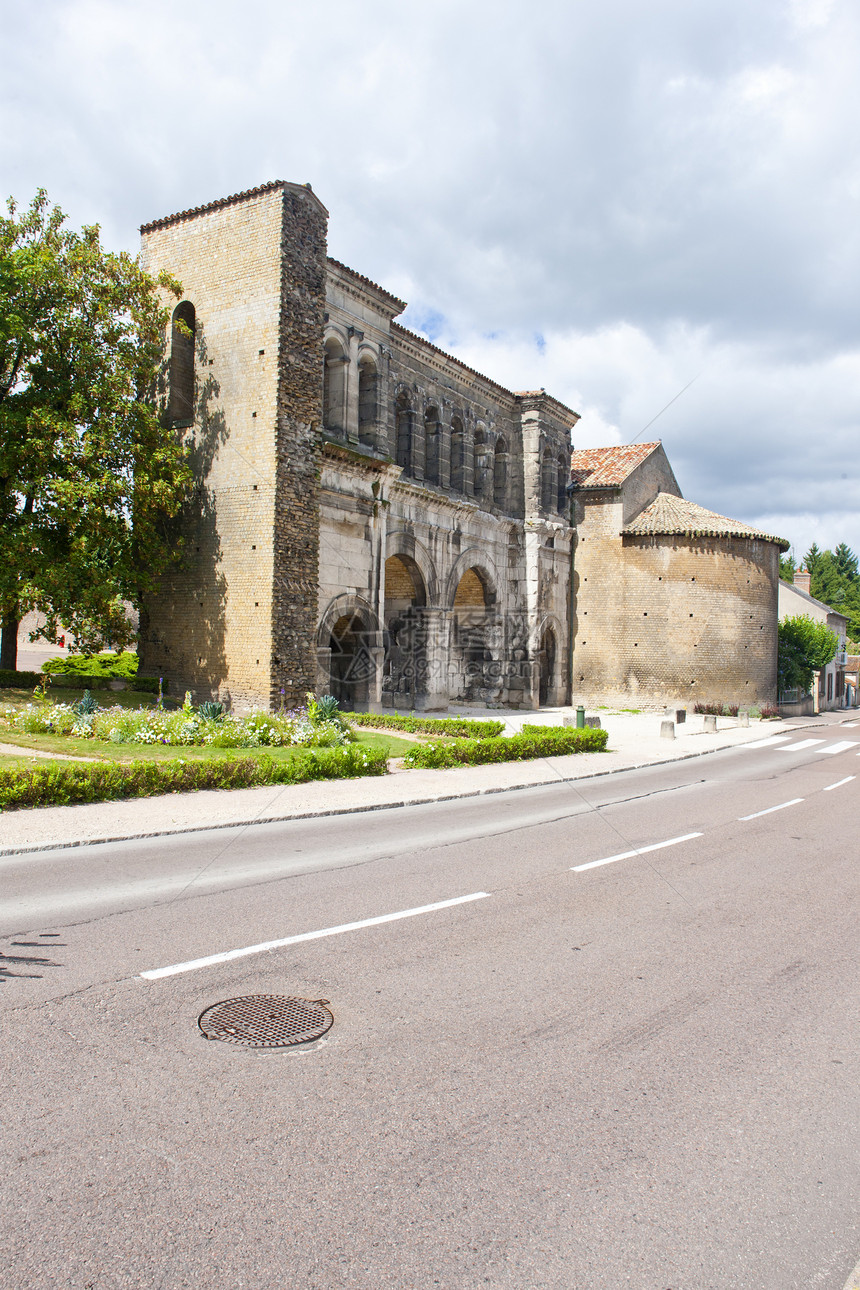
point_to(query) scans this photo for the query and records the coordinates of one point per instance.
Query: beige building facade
(374, 519)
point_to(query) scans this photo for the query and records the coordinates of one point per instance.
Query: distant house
(795, 600)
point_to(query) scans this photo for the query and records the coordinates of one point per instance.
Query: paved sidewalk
(634, 740)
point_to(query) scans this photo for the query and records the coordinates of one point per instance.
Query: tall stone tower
(236, 618)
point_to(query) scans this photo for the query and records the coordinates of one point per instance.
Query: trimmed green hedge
(456, 727)
(551, 741)
(77, 681)
(71, 783)
(10, 680)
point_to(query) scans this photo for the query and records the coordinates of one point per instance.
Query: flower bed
(206, 726)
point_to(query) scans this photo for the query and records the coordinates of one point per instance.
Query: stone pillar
(351, 383)
(432, 689)
(299, 417)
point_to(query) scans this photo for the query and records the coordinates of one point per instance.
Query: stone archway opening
(405, 666)
(547, 660)
(351, 667)
(472, 664)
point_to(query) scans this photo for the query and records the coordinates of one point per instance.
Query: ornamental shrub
(70, 783)
(540, 741)
(109, 665)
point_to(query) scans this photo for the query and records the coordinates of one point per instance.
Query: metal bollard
(710, 725)
(667, 730)
(580, 717)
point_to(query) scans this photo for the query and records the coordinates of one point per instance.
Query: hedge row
(456, 727)
(549, 741)
(70, 783)
(10, 680)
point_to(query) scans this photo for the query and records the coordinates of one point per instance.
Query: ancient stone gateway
(374, 519)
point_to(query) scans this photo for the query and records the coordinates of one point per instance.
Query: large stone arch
(474, 557)
(475, 657)
(349, 652)
(404, 542)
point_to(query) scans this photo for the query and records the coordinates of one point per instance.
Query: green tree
(810, 560)
(787, 567)
(89, 475)
(846, 562)
(805, 646)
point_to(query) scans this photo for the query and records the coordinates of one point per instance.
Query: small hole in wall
(199, 661)
(582, 678)
(660, 579)
(253, 414)
(635, 644)
(256, 604)
(258, 660)
(691, 615)
(255, 488)
(253, 548)
(262, 352)
(645, 615)
(692, 579)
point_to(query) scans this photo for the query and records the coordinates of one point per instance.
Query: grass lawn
(104, 750)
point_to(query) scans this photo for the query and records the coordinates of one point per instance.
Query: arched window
(500, 474)
(334, 388)
(403, 431)
(368, 415)
(458, 456)
(181, 406)
(547, 483)
(481, 462)
(562, 482)
(432, 447)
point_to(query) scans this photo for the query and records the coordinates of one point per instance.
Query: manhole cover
(266, 1021)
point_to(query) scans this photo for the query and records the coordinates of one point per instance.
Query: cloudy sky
(608, 198)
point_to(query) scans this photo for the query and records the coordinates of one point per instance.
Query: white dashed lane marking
(843, 746)
(639, 851)
(839, 783)
(769, 809)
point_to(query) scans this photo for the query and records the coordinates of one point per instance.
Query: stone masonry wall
(675, 619)
(209, 628)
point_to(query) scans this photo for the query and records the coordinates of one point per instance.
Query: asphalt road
(640, 1072)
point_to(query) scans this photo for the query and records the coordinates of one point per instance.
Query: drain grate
(266, 1021)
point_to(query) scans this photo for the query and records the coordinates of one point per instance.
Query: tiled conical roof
(668, 514)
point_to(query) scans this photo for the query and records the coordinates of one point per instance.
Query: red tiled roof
(668, 514)
(607, 467)
(368, 282)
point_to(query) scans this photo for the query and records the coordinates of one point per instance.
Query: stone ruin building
(374, 519)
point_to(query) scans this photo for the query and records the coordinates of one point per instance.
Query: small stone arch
(432, 445)
(474, 661)
(336, 363)
(458, 455)
(182, 340)
(500, 473)
(368, 399)
(404, 431)
(549, 660)
(347, 652)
